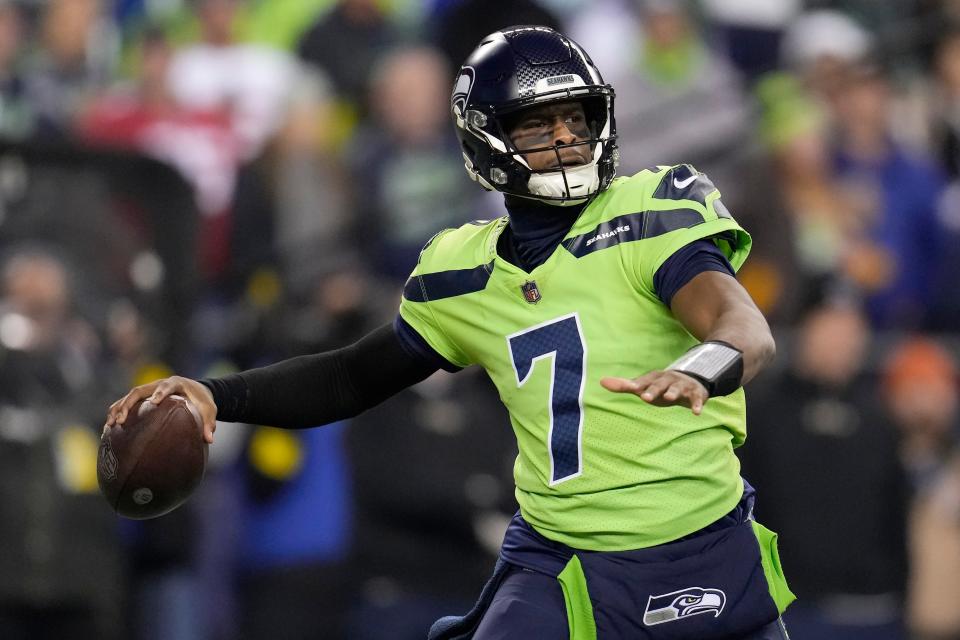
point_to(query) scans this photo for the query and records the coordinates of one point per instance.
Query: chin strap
(582, 181)
(716, 364)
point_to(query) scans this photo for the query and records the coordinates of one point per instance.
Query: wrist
(716, 364)
(229, 395)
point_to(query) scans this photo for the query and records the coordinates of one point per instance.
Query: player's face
(563, 124)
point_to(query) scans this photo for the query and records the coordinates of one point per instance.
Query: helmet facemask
(561, 183)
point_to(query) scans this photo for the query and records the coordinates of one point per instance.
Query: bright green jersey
(596, 470)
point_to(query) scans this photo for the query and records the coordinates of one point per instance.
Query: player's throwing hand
(156, 391)
(663, 389)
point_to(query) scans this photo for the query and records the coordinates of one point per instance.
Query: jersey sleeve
(685, 264)
(685, 207)
(416, 310)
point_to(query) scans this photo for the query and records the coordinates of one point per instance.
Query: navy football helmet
(522, 67)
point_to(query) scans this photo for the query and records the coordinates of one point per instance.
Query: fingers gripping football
(662, 389)
(155, 392)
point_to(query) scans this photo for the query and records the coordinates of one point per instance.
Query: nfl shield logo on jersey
(530, 292)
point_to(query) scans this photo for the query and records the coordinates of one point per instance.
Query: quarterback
(606, 312)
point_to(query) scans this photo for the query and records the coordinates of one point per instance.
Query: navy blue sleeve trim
(447, 284)
(687, 262)
(414, 344)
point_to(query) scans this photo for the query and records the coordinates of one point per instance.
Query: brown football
(151, 465)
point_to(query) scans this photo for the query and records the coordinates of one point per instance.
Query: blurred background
(202, 186)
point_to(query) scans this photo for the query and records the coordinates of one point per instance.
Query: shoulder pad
(453, 263)
(460, 248)
(683, 182)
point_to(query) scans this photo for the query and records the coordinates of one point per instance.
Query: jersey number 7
(560, 341)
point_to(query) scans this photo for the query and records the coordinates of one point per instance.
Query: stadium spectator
(401, 162)
(892, 247)
(258, 87)
(459, 24)
(76, 59)
(345, 43)
(61, 572)
(145, 115)
(896, 249)
(252, 82)
(751, 31)
(920, 387)
(785, 195)
(677, 101)
(310, 190)
(198, 141)
(819, 44)
(607, 31)
(826, 460)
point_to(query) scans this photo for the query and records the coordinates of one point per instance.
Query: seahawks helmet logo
(461, 90)
(676, 605)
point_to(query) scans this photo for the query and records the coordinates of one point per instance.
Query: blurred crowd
(202, 186)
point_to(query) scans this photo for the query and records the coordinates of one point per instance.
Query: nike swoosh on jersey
(683, 184)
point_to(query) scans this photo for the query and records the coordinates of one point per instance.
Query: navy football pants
(529, 605)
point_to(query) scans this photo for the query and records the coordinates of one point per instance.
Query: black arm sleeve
(313, 390)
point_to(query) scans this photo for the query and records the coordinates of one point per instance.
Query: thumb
(202, 400)
(209, 426)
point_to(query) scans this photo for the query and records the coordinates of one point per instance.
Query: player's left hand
(662, 389)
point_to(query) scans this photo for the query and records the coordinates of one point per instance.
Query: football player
(607, 314)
